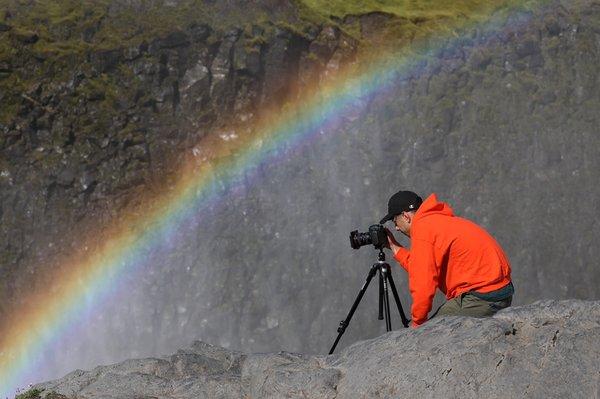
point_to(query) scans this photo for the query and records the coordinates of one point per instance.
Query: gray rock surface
(550, 349)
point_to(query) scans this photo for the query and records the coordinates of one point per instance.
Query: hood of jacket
(431, 206)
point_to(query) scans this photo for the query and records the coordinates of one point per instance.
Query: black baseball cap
(402, 201)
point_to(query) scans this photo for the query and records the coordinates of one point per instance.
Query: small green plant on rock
(30, 394)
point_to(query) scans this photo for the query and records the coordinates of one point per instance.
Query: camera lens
(358, 240)
(376, 236)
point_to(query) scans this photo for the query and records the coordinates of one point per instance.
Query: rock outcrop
(549, 349)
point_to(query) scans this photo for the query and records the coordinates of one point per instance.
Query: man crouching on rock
(450, 253)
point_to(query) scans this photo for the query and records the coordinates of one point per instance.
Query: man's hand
(393, 245)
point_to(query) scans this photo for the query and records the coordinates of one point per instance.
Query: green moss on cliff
(51, 38)
(408, 19)
(11, 86)
(8, 112)
(419, 11)
(100, 24)
(76, 26)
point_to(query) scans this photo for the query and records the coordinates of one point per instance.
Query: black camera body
(376, 236)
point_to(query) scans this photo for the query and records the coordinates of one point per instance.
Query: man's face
(402, 222)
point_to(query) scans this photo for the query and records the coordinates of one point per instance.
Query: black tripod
(385, 276)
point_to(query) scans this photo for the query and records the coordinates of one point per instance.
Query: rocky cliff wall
(502, 124)
(91, 121)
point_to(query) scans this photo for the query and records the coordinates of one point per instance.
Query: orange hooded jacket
(449, 253)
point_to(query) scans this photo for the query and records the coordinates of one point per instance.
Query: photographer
(450, 253)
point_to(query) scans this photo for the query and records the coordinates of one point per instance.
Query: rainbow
(94, 276)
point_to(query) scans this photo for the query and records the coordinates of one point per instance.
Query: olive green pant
(469, 305)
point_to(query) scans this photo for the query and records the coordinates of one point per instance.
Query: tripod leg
(380, 316)
(396, 297)
(344, 323)
(386, 298)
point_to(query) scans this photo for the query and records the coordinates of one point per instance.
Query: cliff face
(548, 349)
(100, 101)
(501, 123)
